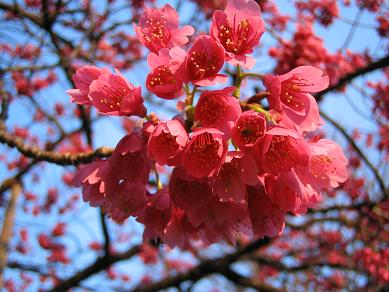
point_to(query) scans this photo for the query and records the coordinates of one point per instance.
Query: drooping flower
(248, 129)
(291, 93)
(82, 79)
(161, 81)
(280, 150)
(159, 28)
(118, 184)
(237, 171)
(267, 219)
(289, 193)
(156, 215)
(205, 152)
(129, 161)
(201, 64)
(113, 95)
(179, 232)
(238, 29)
(220, 220)
(327, 165)
(167, 142)
(188, 192)
(218, 109)
(91, 178)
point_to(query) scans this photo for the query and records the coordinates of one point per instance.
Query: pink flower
(118, 184)
(201, 64)
(290, 93)
(82, 79)
(167, 142)
(129, 161)
(309, 122)
(327, 165)
(267, 219)
(161, 81)
(130, 169)
(205, 152)
(220, 220)
(156, 215)
(158, 28)
(129, 199)
(237, 171)
(113, 95)
(188, 192)
(179, 231)
(238, 29)
(288, 192)
(91, 177)
(280, 150)
(218, 109)
(249, 129)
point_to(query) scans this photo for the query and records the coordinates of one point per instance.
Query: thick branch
(205, 268)
(246, 282)
(99, 265)
(51, 156)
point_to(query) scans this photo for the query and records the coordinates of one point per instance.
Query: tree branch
(350, 140)
(99, 265)
(104, 227)
(51, 156)
(205, 268)
(246, 282)
(379, 64)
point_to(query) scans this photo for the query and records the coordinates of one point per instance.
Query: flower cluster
(237, 167)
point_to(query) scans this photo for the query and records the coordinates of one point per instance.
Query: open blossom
(110, 94)
(159, 28)
(82, 79)
(201, 64)
(167, 142)
(309, 122)
(290, 93)
(249, 129)
(113, 95)
(238, 29)
(205, 152)
(280, 150)
(218, 109)
(327, 165)
(161, 81)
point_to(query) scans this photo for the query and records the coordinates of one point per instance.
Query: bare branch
(51, 156)
(206, 268)
(379, 64)
(350, 140)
